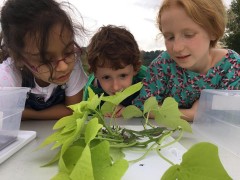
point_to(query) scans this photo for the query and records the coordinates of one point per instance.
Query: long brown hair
(209, 14)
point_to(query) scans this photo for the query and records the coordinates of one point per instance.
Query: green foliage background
(231, 38)
(149, 56)
(146, 56)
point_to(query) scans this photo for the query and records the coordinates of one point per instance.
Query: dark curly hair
(114, 47)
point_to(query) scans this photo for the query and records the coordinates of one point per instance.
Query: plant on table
(90, 146)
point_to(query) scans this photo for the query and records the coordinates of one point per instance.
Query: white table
(25, 164)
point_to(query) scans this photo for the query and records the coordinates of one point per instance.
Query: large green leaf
(91, 93)
(131, 112)
(150, 104)
(116, 154)
(91, 130)
(170, 116)
(80, 108)
(107, 107)
(70, 140)
(83, 169)
(103, 166)
(71, 156)
(120, 96)
(200, 162)
(61, 176)
(94, 102)
(56, 138)
(65, 121)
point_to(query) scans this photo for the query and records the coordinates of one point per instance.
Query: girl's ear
(212, 37)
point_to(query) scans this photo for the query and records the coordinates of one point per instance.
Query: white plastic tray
(152, 167)
(24, 137)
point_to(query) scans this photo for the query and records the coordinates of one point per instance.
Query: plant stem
(144, 155)
(108, 139)
(158, 152)
(174, 141)
(158, 149)
(104, 124)
(123, 145)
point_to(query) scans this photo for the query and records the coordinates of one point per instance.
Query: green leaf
(69, 128)
(116, 154)
(91, 93)
(69, 141)
(107, 107)
(55, 159)
(131, 111)
(80, 108)
(83, 169)
(78, 131)
(56, 138)
(150, 104)
(91, 130)
(94, 102)
(61, 176)
(115, 171)
(65, 121)
(170, 116)
(172, 173)
(200, 162)
(71, 156)
(103, 166)
(120, 96)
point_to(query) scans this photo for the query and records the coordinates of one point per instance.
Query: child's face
(113, 81)
(60, 52)
(187, 43)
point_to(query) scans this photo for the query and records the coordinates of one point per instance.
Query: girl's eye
(168, 38)
(69, 53)
(190, 35)
(49, 58)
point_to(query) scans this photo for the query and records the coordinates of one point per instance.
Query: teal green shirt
(164, 78)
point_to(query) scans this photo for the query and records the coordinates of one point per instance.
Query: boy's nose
(116, 86)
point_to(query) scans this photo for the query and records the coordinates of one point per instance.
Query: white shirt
(10, 76)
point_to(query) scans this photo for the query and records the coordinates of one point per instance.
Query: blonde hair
(209, 14)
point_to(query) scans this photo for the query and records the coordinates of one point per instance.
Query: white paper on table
(152, 167)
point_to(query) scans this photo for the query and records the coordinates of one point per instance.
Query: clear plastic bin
(218, 118)
(12, 102)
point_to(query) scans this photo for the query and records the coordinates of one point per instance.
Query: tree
(149, 56)
(232, 35)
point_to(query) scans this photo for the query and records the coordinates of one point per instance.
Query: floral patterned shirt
(164, 78)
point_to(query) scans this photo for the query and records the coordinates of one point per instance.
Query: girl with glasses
(38, 50)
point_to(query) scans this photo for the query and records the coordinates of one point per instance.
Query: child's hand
(119, 110)
(188, 114)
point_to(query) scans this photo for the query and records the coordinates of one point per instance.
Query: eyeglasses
(45, 68)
